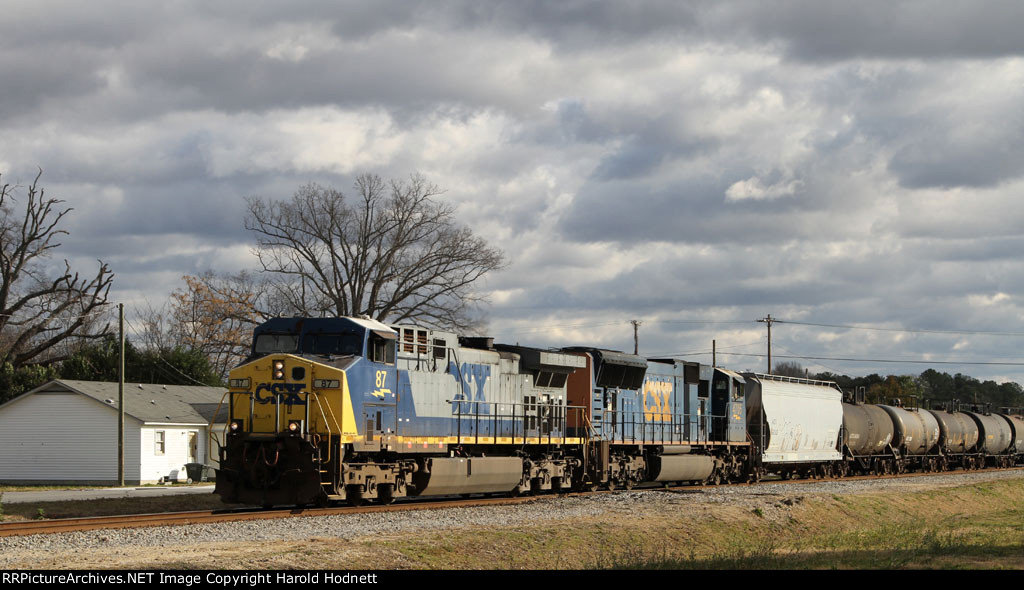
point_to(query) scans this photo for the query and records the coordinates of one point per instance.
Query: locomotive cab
(290, 406)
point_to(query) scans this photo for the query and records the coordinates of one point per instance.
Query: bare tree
(392, 252)
(41, 312)
(215, 315)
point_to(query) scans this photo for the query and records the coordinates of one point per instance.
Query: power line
(909, 361)
(910, 330)
(160, 356)
(698, 321)
(598, 324)
(702, 352)
(576, 325)
(830, 369)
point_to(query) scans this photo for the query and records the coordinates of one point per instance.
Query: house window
(160, 440)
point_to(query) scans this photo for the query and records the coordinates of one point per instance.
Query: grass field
(978, 526)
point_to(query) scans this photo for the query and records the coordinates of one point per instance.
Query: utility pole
(120, 396)
(768, 320)
(714, 354)
(636, 336)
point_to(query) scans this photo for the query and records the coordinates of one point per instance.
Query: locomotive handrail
(209, 430)
(556, 421)
(327, 424)
(702, 426)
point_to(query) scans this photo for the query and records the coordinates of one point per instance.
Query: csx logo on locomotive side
(289, 391)
(466, 376)
(659, 408)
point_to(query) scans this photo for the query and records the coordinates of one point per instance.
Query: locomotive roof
(303, 324)
(611, 356)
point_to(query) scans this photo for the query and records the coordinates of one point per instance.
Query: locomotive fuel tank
(867, 429)
(994, 433)
(468, 475)
(680, 467)
(918, 431)
(958, 433)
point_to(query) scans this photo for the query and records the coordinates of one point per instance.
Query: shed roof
(148, 402)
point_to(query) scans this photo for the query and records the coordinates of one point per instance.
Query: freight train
(350, 409)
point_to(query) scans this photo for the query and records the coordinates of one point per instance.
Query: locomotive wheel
(355, 495)
(611, 485)
(386, 493)
(628, 484)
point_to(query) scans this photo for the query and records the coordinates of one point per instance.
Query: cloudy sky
(695, 166)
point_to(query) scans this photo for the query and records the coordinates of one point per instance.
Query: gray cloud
(830, 162)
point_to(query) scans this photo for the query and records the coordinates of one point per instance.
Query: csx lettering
(657, 396)
(289, 391)
(472, 374)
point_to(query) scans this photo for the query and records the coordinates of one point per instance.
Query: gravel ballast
(17, 551)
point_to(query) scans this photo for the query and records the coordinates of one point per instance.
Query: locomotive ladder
(318, 458)
(597, 412)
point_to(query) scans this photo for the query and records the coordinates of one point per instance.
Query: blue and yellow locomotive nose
(284, 413)
(276, 393)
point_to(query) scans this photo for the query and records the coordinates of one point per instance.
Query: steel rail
(62, 525)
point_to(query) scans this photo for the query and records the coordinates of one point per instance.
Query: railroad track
(63, 525)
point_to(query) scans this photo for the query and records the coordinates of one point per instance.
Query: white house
(66, 431)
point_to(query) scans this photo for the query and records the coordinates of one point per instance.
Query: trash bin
(197, 472)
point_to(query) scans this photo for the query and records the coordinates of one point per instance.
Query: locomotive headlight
(236, 425)
(295, 426)
(278, 369)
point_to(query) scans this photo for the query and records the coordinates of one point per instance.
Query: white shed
(66, 431)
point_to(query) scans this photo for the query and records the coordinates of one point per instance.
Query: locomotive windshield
(348, 343)
(270, 343)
